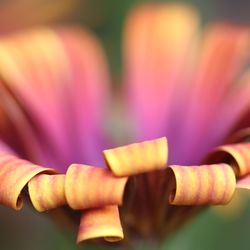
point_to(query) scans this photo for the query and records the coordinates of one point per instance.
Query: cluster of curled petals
(97, 192)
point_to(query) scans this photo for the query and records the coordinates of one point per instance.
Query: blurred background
(215, 228)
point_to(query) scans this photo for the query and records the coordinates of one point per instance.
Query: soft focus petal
(56, 81)
(159, 43)
(218, 99)
(182, 90)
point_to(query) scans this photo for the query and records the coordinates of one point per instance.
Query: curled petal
(47, 191)
(138, 157)
(14, 175)
(91, 187)
(97, 192)
(203, 185)
(236, 155)
(100, 222)
(95, 189)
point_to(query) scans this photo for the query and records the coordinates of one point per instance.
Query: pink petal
(159, 43)
(54, 86)
(214, 91)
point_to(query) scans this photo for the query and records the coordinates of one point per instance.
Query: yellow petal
(138, 157)
(14, 175)
(100, 222)
(235, 154)
(47, 191)
(92, 187)
(201, 185)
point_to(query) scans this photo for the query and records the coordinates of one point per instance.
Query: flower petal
(50, 83)
(236, 155)
(88, 193)
(224, 54)
(14, 175)
(203, 185)
(137, 158)
(100, 222)
(159, 39)
(47, 191)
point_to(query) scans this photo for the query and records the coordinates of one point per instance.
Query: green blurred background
(213, 229)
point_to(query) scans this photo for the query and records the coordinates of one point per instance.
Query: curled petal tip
(47, 191)
(138, 158)
(92, 187)
(237, 155)
(202, 185)
(14, 175)
(100, 223)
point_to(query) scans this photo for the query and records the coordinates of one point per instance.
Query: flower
(189, 86)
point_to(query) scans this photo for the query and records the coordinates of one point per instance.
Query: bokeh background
(221, 228)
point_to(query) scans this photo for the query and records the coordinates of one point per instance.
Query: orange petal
(201, 185)
(90, 187)
(47, 191)
(14, 175)
(138, 157)
(100, 222)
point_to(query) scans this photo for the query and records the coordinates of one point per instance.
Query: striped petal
(236, 154)
(100, 222)
(79, 188)
(138, 158)
(88, 193)
(14, 175)
(203, 185)
(179, 191)
(47, 191)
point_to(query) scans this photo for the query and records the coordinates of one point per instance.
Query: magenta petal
(159, 43)
(179, 89)
(218, 99)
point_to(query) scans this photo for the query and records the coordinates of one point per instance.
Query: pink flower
(192, 87)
